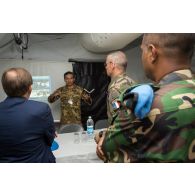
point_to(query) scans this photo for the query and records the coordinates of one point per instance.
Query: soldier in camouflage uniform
(167, 133)
(70, 96)
(116, 64)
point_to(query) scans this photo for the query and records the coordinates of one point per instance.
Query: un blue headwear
(144, 100)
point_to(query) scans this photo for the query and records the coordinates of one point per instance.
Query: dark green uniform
(115, 88)
(167, 134)
(70, 103)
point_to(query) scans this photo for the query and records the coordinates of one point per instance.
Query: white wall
(40, 68)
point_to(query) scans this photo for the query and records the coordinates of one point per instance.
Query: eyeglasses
(106, 63)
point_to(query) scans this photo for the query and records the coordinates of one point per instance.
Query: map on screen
(41, 88)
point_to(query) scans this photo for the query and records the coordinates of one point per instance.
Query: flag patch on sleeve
(115, 105)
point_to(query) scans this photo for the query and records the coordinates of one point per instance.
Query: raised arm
(55, 95)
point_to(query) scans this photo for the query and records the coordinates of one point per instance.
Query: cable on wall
(21, 39)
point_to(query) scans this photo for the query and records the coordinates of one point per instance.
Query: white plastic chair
(101, 124)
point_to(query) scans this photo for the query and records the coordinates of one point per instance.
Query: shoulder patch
(115, 105)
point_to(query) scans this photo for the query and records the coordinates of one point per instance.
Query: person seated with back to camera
(26, 126)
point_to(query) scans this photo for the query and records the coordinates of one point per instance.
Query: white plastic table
(69, 151)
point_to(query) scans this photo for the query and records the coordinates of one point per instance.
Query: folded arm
(126, 131)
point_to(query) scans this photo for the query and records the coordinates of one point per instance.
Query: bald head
(16, 82)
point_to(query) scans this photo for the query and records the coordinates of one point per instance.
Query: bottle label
(90, 129)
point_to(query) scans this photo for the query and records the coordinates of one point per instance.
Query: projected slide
(41, 88)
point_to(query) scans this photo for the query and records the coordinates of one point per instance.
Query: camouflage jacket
(70, 103)
(115, 88)
(167, 134)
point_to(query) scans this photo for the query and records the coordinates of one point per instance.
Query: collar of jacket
(116, 78)
(176, 76)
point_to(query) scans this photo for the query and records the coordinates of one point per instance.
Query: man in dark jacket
(26, 126)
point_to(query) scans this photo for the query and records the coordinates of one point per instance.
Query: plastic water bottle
(90, 126)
